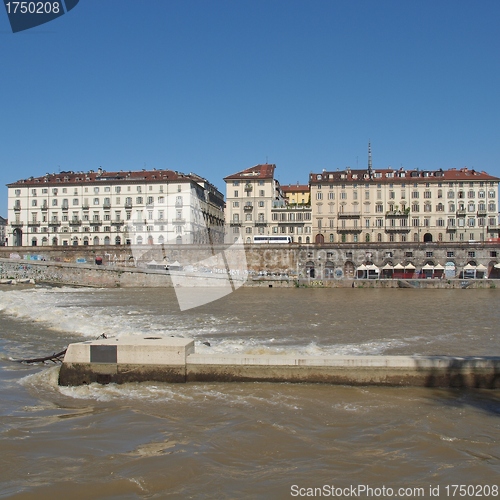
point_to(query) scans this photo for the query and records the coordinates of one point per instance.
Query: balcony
(75, 222)
(54, 223)
(461, 212)
(179, 204)
(349, 215)
(106, 205)
(261, 222)
(17, 223)
(117, 222)
(248, 208)
(17, 207)
(398, 213)
(128, 204)
(482, 213)
(85, 206)
(178, 220)
(34, 223)
(96, 222)
(45, 206)
(235, 223)
(65, 208)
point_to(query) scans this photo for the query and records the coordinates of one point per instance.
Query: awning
(481, 268)
(372, 267)
(439, 267)
(388, 266)
(469, 267)
(497, 266)
(428, 267)
(398, 266)
(362, 267)
(409, 266)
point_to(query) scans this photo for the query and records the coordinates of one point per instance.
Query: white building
(114, 208)
(3, 233)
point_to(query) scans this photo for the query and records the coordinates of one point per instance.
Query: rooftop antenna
(369, 157)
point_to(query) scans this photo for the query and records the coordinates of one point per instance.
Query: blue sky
(217, 86)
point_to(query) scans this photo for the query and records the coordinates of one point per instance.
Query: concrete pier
(168, 359)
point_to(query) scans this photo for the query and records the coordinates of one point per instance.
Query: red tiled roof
(293, 188)
(399, 176)
(100, 176)
(265, 171)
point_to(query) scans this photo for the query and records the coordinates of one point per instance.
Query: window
(96, 190)
(428, 254)
(236, 194)
(236, 183)
(319, 195)
(96, 201)
(471, 254)
(261, 192)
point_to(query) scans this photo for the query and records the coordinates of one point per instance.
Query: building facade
(114, 208)
(402, 206)
(256, 207)
(3, 231)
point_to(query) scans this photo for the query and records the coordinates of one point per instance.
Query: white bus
(272, 239)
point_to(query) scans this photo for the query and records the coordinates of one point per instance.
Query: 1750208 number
(471, 491)
(33, 7)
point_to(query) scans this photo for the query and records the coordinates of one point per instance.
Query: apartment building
(297, 194)
(387, 205)
(114, 208)
(256, 207)
(3, 231)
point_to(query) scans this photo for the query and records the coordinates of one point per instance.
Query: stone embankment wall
(267, 265)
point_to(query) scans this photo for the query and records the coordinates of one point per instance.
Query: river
(246, 440)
